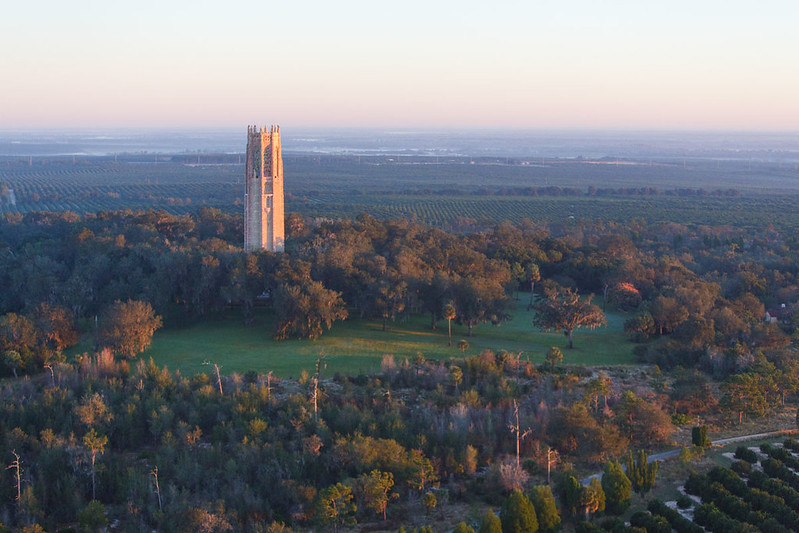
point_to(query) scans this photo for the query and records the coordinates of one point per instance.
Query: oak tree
(305, 310)
(127, 327)
(563, 309)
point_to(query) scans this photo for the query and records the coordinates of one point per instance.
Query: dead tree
(16, 467)
(516, 430)
(218, 377)
(154, 473)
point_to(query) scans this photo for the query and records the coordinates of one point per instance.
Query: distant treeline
(554, 190)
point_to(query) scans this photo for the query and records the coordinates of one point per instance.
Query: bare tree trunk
(49, 367)
(516, 429)
(449, 333)
(218, 379)
(154, 473)
(94, 455)
(15, 465)
(315, 396)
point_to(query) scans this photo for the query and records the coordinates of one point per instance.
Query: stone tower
(263, 195)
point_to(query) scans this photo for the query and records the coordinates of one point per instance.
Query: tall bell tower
(263, 194)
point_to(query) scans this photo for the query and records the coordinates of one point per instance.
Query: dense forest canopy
(694, 295)
(241, 451)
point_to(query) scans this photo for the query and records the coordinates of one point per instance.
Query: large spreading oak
(563, 309)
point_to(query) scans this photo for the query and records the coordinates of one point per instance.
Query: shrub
(684, 501)
(651, 523)
(696, 484)
(680, 419)
(462, 527)
(745, 454)
(677, 521)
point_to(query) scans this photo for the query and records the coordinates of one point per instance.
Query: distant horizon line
(403, 129)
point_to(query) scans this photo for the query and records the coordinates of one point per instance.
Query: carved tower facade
(263, 195)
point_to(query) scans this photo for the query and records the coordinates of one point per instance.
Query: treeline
(696, 297)
(98, 439)
(554, 190)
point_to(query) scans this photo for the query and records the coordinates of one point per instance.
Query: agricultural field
(450, 211)
(358, 346)
(759, 491)
(451, 193)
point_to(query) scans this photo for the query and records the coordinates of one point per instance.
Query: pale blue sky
(535, 64)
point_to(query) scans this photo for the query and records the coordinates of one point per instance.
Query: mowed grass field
(358, 346)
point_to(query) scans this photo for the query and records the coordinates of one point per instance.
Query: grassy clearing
(356, 346)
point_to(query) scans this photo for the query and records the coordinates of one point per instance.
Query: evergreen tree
(641, 473)
(617, 488)
(490, 523)
(553, 357)
(376, 488)
(92, 517)
(518, 514)
(545, 508)
(463, 527)
(592, 498)
(570, 493)
(334, 506)
(699, 437)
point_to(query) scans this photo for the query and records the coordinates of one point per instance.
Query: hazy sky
(698, 64)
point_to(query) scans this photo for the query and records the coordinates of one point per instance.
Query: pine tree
(463, 527)
(641, 473)
(592, 498)
(545, 508)
(334, 506)
(617, 488)
(490, 523)
(518, 514)
(570, 494)
(699, 437)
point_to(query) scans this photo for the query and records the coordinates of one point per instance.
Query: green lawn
(356, 346)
